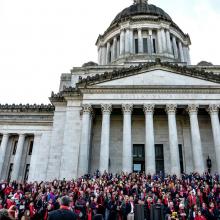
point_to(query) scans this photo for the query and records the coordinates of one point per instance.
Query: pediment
(157, 78)
(152, 74)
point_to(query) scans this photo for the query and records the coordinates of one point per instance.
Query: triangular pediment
(152, 74)
(157, 78)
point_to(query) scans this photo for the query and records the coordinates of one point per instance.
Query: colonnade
(17, 157)
(159, 41)
(127, 157)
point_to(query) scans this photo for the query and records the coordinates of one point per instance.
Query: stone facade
(147, 109)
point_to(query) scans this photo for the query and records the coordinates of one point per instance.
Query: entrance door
(159, 156)
(138, 158)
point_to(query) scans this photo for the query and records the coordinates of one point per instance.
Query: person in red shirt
(32, 210)
(10, 202)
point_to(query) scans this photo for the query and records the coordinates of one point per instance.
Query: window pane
(136, 45)
(145, 45)
(154, 45)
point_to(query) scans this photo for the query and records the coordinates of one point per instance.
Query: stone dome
(141, 9)
(143, 32)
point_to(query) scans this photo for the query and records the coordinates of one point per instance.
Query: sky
(41, 39)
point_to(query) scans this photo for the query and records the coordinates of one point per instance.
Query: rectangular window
(14, 147)
(181, 158)
(110, 57)
(159, 156)
(136, 45)
(138, 151)
(10, 171)
(145, 45)
(30, 150)
(154, 45)
(26, 174)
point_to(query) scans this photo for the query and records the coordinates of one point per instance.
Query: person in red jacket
(199, 216)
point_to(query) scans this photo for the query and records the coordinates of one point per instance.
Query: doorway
(159, 156)
(138, 158)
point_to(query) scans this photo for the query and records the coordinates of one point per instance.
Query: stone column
(3, 149)
(127, 157)
(213, 111)
(107, 53)
(150, 164)
(122, 42)
(85, 141)
(150, 42)
(131, 41)
(127, 41)
(181, 51)
(36, 172)
(17, 158)
(159, 42)
(164, 43)
(188, 56)
(173, 140)
(184, 54)
(99, 55)
(169, 48)
(105, 136)
(104, 55)
(196, 139)
(140, 41)
(175, 49)
(114, 49)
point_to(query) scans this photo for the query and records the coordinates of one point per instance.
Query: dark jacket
(62, 214)
(157, 212)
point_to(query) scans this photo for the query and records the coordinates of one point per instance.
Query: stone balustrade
(140, 41)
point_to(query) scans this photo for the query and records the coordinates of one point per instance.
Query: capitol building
(142, 107)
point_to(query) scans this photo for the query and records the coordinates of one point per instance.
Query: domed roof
(141, 9)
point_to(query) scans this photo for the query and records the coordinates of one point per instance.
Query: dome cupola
(143, 32)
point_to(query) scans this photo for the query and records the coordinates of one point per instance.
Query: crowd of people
(116, 197)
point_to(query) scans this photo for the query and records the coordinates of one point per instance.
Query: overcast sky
(40, 39)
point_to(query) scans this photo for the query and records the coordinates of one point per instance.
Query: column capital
(193, 109)
(86, 108)
(148, 108)
(171, 108)
(127, 108)
(213, 109)
(106, 108)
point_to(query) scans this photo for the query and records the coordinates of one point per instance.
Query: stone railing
(26, 108)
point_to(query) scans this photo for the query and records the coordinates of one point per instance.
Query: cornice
(135, 70)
